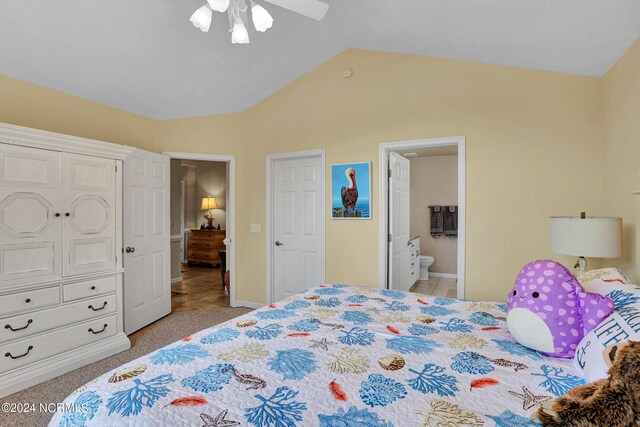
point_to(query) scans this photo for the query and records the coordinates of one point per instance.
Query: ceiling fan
(238, 10)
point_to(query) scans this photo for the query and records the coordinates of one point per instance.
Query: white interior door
(89, 222)
(147, 257)
(297, 214)
(399, 217)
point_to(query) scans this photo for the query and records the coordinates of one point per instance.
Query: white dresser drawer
(16, 327)
(89, 288)
(30, 350)
(28, 300)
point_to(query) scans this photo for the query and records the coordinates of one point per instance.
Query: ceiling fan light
(262, 20)
(219, 5)
(201, 18)
(239, 35)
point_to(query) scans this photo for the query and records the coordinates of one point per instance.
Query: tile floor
(201, 288)
(436, 286)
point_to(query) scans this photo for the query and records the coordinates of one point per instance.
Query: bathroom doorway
(422, 220)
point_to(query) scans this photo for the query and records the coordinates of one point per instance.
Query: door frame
(183, 204)
(383, 225)
(271, 159)
(231, 211)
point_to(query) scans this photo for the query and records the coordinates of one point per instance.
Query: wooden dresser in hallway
(204, 246)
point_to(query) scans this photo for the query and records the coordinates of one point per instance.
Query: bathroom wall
(434, 181)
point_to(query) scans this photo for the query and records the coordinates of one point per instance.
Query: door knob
(130, 250)
(278, 243)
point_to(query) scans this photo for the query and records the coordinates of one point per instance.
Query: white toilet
(425, 263)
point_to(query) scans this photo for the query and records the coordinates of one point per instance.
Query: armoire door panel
(26, 214)
(91, 254)
(29, 167)
(90, 214)
(27, 260)
(89, 174)
(30, 198)
(89, 200)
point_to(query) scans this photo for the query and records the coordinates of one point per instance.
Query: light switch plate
(256, 228)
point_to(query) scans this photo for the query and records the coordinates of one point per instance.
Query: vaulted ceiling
(144, 56)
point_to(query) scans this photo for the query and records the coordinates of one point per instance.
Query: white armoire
(61, 266)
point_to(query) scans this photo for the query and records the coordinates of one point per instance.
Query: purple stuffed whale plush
(548, 311)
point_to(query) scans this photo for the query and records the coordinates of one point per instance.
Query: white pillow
(593, 355)
(612, 283)
(603, 279)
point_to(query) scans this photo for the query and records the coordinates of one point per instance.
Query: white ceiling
(144, 56)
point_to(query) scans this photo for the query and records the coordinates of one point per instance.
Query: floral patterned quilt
(334, 356)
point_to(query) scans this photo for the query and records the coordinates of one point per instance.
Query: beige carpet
(163, 332)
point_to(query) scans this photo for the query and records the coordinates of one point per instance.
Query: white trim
(248, 304)
(636, 190)
(35, 138)
(269, 225)
(176, 238)
(444, 275)
(231, 209)
(383, 185)
(176, 280)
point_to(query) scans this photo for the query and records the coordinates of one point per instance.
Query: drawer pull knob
(57, 214)
(93, 288)
(67, 214)
(100, 331)
(28, 300)
(7, 354)
(30, 321)
(98, 309)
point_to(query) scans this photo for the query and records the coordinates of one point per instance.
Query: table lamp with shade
(208, 203)
(585, 236)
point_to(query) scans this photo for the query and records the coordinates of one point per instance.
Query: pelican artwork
(350, 194)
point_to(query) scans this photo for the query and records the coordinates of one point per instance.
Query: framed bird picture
(351, 190)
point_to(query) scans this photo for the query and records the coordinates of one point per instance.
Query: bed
(335, 355)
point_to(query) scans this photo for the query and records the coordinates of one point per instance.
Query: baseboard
(248, 304)
(444, 275)
(59, 364)
(176, 280)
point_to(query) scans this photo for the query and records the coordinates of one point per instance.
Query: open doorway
(201, 216)
(422, 224)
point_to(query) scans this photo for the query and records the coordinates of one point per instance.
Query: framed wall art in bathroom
(351, 190)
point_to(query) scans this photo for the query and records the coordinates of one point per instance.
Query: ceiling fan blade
(310, 8)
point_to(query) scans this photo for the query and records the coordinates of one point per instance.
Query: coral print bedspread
(334, 356)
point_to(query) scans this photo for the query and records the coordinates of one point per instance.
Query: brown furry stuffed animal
(611, 402)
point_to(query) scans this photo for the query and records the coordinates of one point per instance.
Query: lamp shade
(208, 203)
(593, 236)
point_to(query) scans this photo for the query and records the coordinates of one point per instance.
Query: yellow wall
(534, 146)
(26, 104)
(621, 95)
(534, 149)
